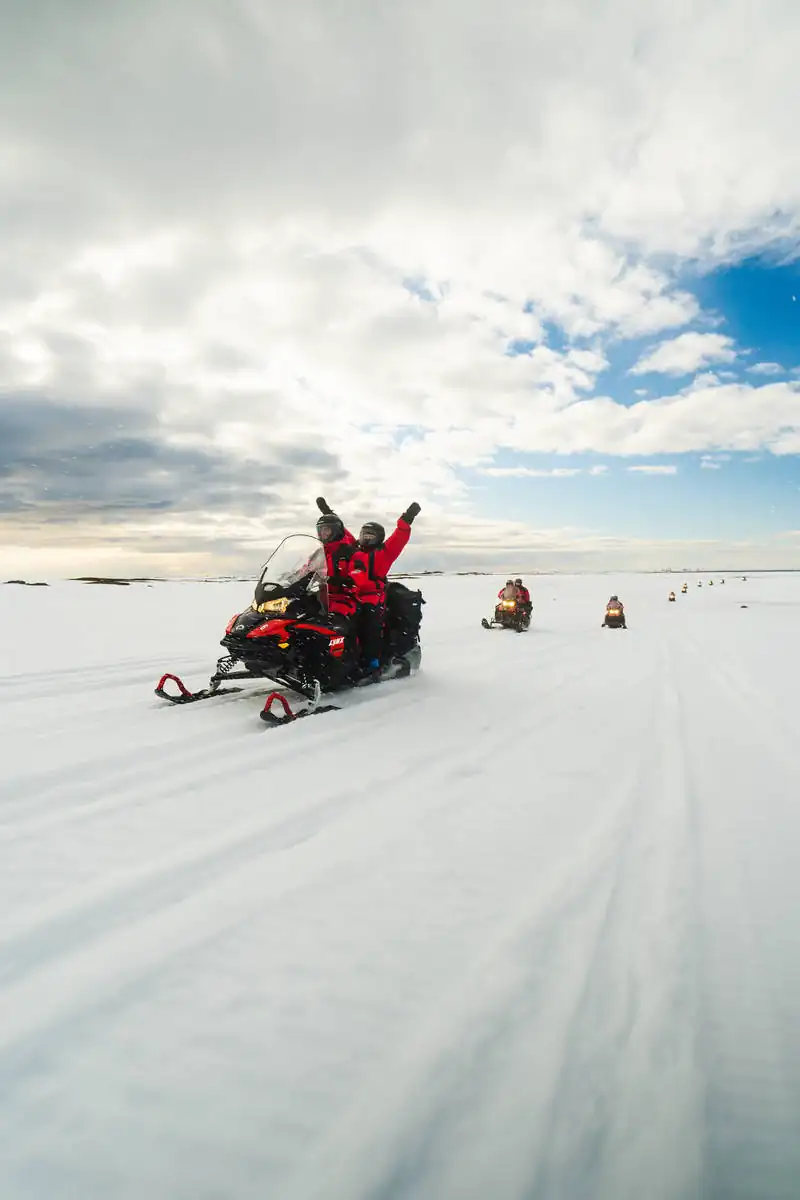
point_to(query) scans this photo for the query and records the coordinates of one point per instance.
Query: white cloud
(231, 240)
(686, 354)
(653, 469)
(714, 462)
(541, 472)
(766, 368)
(705, 379)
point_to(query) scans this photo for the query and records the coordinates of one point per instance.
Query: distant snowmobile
(615, 615)
(671, 596)
(510, 613)
(684, 589)
(288, 636)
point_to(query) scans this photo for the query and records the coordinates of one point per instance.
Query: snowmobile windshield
(295, 567)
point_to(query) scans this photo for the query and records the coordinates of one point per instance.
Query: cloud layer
(259, 250)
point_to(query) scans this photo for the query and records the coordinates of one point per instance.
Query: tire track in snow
(481, 1091)
(208, 859)
(113, 907)
(79, 982)
(750, 960)
(632, 1084)
(153, 782)
(82, 979)
(91, 684)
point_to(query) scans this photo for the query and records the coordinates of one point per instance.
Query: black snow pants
(370, 631)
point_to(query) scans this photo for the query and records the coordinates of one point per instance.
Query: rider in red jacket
(523, 595)
(368, 567)
(339, 545)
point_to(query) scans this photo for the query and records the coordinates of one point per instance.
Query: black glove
(410, 513)
(323, 506)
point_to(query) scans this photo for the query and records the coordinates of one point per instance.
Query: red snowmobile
(509, 614)
(288, 636)
(511, 610)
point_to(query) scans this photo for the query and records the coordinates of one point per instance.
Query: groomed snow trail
(523, 927)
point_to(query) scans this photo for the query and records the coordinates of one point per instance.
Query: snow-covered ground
(523, 927)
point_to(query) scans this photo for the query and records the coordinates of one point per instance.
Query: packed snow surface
(523, 927)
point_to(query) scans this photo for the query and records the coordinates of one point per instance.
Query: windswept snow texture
(523, 927)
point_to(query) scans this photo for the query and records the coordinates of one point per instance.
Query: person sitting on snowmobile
(368, 567)
(508, 592)
(339, 545)
(616, 605)
(523, 597)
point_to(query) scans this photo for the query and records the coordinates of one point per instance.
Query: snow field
(523, 926)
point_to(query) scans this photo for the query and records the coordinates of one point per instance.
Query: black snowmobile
(615, 618)
(288, 636)
(509, 614)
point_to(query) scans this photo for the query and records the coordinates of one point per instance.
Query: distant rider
(616, 603)
(369, 566)
(523, 596)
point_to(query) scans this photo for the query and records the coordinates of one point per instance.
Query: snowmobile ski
(184, 696)
(313, 710)
(516, 628)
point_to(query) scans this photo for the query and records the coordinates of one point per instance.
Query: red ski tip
(269, 716)
(175, 679)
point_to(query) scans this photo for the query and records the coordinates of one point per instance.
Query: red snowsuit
(368, 571)
(341, 598)
(368, 568)
(523, 595)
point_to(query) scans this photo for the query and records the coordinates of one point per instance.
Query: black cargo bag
(403, 617)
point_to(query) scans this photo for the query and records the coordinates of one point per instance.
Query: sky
(536, 267)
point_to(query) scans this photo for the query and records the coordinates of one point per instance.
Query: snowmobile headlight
(509, 604)
(274, 606)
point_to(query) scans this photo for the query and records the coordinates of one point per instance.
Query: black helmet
(518, 582)
(509, 582)
(329, 528)
(371, 536)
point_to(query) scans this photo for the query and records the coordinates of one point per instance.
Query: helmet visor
(369, 537)
(328, 530)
